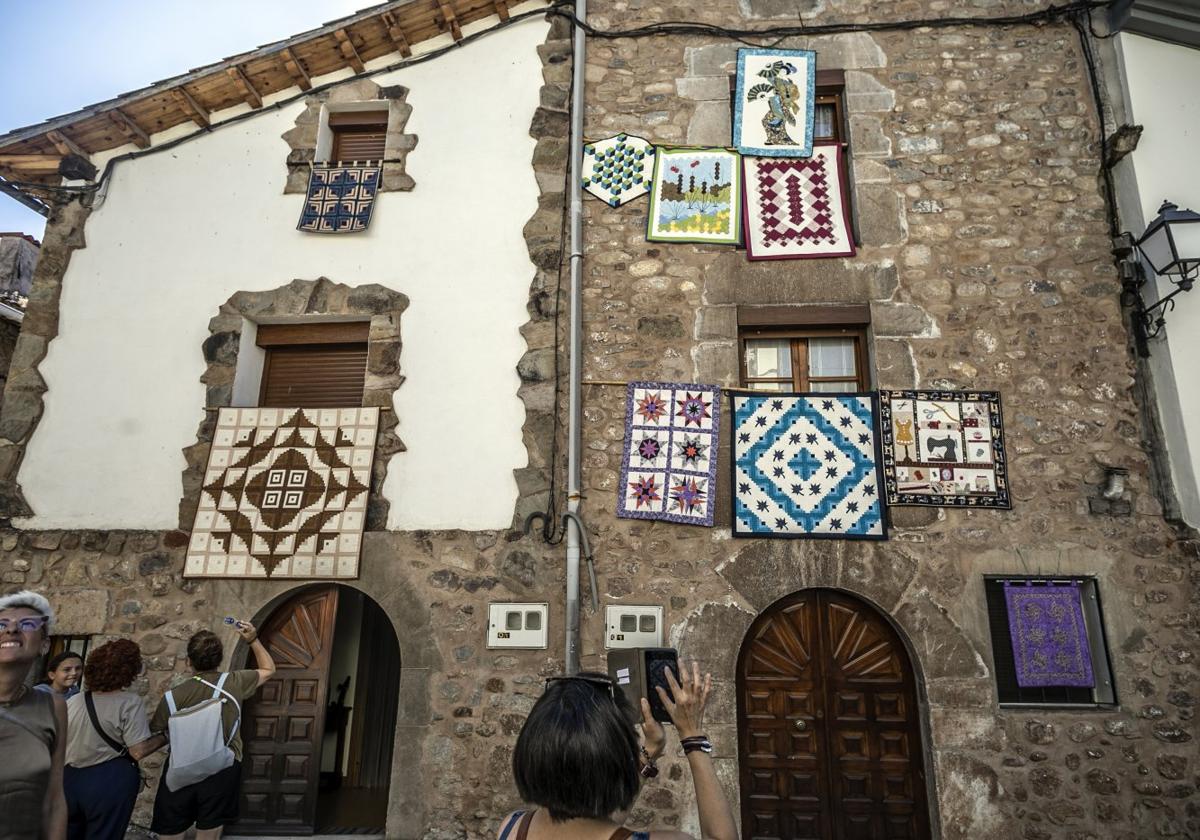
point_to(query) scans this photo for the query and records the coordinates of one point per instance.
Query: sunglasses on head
(25, 625)
(604, 683)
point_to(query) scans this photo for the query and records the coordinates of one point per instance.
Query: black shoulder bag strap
(120, 749)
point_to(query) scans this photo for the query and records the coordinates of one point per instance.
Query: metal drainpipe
(574, 478)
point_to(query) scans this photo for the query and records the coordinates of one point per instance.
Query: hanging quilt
(795, 207)
(696, 196)
(944, 448)
(806, 465)
(285, 494)
(670, 459)
(773, 103)
(340, 198)
(619, 169)
(1049, 637)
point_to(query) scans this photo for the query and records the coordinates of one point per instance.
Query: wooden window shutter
(327, 370)
(359, 135)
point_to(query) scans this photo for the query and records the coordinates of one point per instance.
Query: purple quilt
(670, 459)
(1049, 637)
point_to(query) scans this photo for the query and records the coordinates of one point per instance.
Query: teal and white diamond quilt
(806, 465)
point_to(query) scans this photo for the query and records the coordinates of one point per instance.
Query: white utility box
(517, 625)
(632, 627)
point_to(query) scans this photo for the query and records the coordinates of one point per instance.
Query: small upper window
(1048, 641)
(358, 135)
(313, 365)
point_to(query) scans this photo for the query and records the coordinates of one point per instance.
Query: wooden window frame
(800, 380)
(1008, 693)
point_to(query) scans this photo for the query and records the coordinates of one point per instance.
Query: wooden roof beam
(189, 105)
(396, 33)
(450, 20)
(31, 164)
(133, 132)
(295, 69)
(249, 94)
(501, 7)
(65, 145)
(348, 51)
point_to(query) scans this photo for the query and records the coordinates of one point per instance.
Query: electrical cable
(1110, 191)
(1049, 14)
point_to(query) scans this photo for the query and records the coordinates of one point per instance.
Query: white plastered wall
(1161, 81)
(181, 231)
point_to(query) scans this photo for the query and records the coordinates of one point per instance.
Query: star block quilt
(670, 459)
(806, 465)
(944, 449)
(619, 169)
(340, 199)
(795, 208)
(285, 494)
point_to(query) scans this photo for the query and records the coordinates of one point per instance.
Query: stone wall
(985, 263)
(9, 331)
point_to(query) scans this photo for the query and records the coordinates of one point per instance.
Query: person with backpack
(202, 719)
(33, 727)
(107, 735)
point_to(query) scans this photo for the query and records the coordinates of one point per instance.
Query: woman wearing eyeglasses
(580, 761)
(33, 727)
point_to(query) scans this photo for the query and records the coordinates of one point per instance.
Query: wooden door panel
(829, 736)
(285, 720)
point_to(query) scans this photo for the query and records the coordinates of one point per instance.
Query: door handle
(801, 725)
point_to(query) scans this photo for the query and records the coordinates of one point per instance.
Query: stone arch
(410, 619)
(298, 302)
(950, 673)
(921, 712)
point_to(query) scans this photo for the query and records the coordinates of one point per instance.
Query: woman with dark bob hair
(579, 758)
(107, 734)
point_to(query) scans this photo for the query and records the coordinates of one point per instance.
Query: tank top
(525, 819)
(23, 782)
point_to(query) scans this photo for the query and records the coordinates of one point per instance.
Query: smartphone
(658, 660)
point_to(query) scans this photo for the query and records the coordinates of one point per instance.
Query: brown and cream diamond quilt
(285, 494)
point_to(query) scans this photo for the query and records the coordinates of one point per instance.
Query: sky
(61, 55)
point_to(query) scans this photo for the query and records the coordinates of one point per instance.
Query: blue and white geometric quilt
(670, 461)
(806, 465)
(340, 199)
(618, 169)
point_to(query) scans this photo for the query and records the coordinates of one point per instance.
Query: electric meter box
(517, 626)
(632, 627)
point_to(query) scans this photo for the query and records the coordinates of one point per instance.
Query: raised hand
(687, 699)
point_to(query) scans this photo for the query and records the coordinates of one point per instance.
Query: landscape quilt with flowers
(670, 460)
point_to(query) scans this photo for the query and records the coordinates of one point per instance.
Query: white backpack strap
(170, 698)
(218, 690)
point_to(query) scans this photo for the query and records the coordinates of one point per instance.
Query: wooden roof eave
(351, 41)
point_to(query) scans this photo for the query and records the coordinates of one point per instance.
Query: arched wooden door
(283, 725)
(828, 730)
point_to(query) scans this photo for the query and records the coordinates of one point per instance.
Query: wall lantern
(1171, 246)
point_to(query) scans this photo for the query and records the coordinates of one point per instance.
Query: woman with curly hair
(107, 734)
